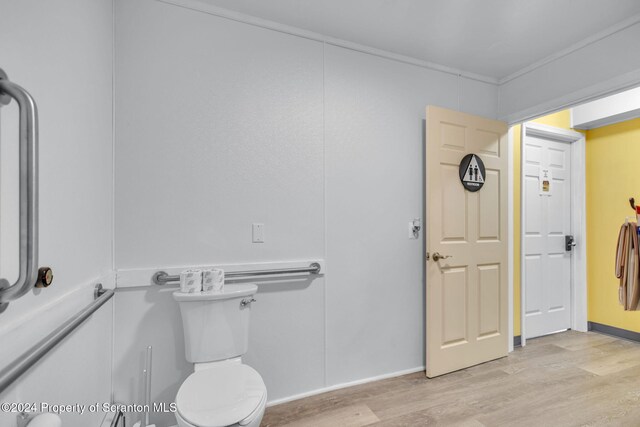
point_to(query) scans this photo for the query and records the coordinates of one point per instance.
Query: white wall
(62, 53)
(220, 124)
(374, 153)
(589, 71)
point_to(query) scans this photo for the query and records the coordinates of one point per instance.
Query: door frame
(578, 222)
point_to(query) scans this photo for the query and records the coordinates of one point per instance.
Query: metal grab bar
(27, 359)
(28, 272)
(163, 278)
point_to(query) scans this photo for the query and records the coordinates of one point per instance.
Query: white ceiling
(494, 38)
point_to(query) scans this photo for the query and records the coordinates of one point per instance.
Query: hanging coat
(628, 266)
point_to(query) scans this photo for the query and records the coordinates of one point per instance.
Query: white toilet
(222, 391)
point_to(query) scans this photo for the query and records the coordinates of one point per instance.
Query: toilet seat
(221, 396)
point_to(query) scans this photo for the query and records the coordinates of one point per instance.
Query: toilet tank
(216, 325)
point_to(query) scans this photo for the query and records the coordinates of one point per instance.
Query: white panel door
(547, 220)
(467, 291)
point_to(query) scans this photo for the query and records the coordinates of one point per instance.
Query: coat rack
(632, 203)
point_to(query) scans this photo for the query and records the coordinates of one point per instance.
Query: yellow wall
(560, 120)
(613, 175)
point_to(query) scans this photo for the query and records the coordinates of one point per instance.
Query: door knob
(437, 257)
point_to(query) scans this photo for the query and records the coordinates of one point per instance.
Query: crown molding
(202, 7)
(620, 26)
(199, 6)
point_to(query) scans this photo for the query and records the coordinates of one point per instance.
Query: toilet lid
(220, 395)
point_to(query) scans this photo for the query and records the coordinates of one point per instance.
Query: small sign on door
(546, 182)
(472, 172)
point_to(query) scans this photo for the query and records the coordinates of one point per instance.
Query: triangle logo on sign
(473, 172)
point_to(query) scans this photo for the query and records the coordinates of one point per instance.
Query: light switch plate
(258, 232)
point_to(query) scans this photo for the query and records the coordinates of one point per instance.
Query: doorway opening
(553, 295)
(557, 160)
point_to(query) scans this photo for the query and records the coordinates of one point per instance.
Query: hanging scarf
(628, 266)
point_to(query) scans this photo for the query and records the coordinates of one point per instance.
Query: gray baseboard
(517, 341)
(612, 330)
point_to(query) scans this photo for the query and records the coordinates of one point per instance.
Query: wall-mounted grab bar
(29, 358)
(163, 278)
(28, 271)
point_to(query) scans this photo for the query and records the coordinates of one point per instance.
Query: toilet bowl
(230, 394)
(221, 392)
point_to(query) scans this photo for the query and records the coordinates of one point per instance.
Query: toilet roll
(191, 281)
(213, 280)
(45, 420)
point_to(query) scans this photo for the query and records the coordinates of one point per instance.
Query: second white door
(547, 222)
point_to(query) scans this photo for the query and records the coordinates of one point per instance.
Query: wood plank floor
(567, 379)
